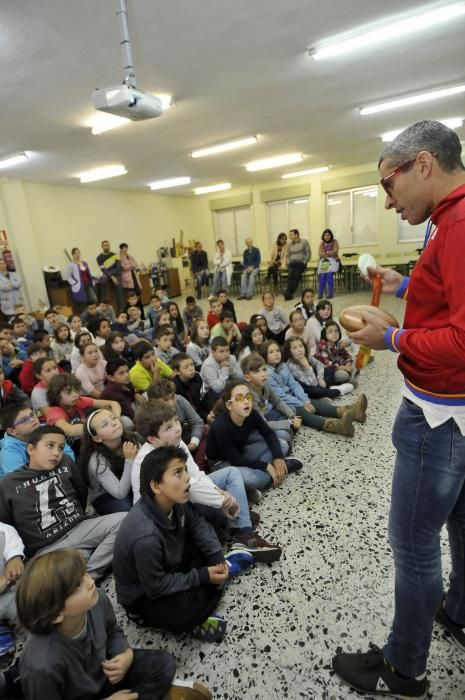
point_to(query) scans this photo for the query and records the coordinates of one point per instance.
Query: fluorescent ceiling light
(454, 123)
(14, 160)
(213, 188)
(222, 147)
(413, 99)
(300, 201)
(103, 121)
(274, 162)
(408, 24)
(102, 173)
(311, 171)
(173, 182)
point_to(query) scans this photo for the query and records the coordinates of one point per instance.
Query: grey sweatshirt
(55, 667)
(216, 377)
(149, 548)
(298, 251)
(43, 505)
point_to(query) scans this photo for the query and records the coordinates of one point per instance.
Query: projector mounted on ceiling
(126, 100)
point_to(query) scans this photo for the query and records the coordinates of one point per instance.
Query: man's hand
(13, 569)
(371, 335)
(391, 280)
(116, 668)
(309, 407)
(218, 573)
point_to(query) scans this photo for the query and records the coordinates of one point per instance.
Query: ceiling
(234, 67)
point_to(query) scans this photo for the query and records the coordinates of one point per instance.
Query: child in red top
(27, 377)
(216, 308)
(337, 361)
(69, 410)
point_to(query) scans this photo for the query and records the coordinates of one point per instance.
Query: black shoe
(456, 632)
(254, 496)
(293, 464)
(254, 519)
(369, 673)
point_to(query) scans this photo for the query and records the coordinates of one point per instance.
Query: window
(287, 214)
(233, 226)
(407, 233)
(352, 215)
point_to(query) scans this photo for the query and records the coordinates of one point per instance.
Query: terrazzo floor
(333, 587)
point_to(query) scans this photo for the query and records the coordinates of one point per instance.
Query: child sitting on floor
(252, 338)
(68, 409)
(119, 388)
(317, 414)
(191, 313)
(310, 372)
(168, 565)
(46, 499)
(62, 345)
(164, 344)
(221, 493)
(335, 358)
(45, 370)
(241, 437)
(299, 329)
(189, 383)
(306, 304)
(147, 367)
(218, 369)
(199, 346)
(106, 459)
(275, 317)
(76, 649)
(11, 569)
(91, 372)
(27, 377)
(213, 316)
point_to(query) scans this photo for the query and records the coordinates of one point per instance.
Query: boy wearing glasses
(240, 436)
(18, 422)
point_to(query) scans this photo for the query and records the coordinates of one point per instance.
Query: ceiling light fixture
(213, 188)
(412, 100)
(102, 173)
(103, 121)
(223, 147)
(454, 123)
(14, 160)
(311, 171)
(300, 201)
(408, 24)
(274, 162)
(173, 182)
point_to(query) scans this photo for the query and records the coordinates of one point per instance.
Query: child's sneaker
(187, 690)
(254, 496)
(261, 550)
(369, 673)
(345, 388)
(238, 561)
(293, 465)
(7, 641)
(212, 629)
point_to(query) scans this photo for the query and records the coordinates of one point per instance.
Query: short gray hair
(427, 135)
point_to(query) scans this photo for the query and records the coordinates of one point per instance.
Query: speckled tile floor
(334, 584)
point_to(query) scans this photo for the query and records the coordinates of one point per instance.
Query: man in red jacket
(423, 176)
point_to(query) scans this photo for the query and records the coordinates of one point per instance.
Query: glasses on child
(240, 398)
(26, 419)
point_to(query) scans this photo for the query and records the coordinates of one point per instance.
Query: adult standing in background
(199, 265)
(129, 278)
(423, 176)
(79, 277)
(329, 262)
(108, 263)
(298, 254)
(10, 290)
(223, 268)
(277, 259)
(251, 261)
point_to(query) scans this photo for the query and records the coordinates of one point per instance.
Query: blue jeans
(220, 281)
(248, 282)
(230, 479)
(427, 492)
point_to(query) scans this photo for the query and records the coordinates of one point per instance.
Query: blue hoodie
(13, 454)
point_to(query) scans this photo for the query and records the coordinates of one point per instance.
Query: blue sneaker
(238, 561)
(7, 641)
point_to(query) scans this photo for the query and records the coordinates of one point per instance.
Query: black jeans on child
(150, 675)
(180, 612)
